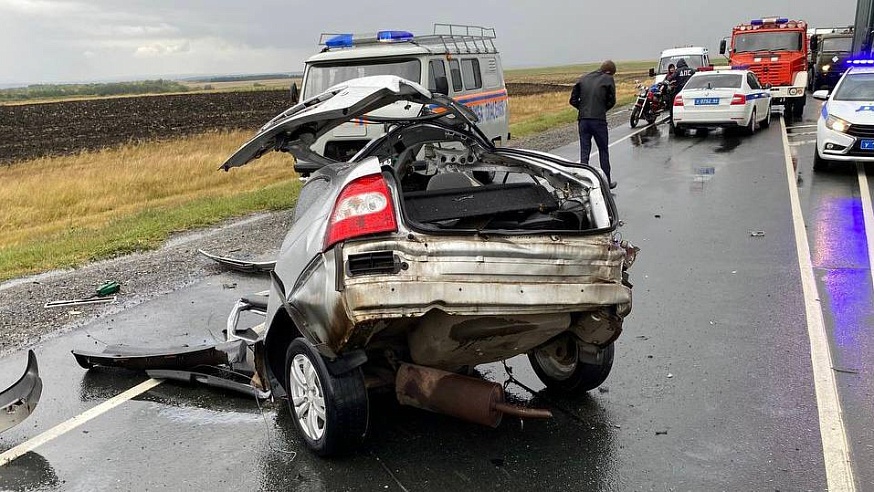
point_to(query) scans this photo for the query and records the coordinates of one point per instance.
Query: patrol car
(727, 98)
(845, 129)
(459, 61)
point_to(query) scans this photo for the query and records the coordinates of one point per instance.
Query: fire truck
(776, 50)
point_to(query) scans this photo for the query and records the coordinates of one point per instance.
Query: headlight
(825, 68)
(837, 124)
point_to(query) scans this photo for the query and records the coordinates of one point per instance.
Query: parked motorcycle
(651, 102)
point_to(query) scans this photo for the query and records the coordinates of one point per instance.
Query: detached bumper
(19, 400)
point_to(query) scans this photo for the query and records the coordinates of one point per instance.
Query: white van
(695, 56)
(456, 60)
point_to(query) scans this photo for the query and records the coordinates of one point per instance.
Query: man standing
(677, 80)
(593, 95)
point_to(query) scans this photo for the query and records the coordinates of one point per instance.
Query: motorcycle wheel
(635, 116)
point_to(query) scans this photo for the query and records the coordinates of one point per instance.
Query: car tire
(557, 365)
(330, 412)
(635, 117)
(798, 107)
(680, 131)
(819, 164)
(767, 121)
(753, 124)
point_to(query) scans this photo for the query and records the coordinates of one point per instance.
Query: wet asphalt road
(711, 389)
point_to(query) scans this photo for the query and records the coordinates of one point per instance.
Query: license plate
(706, 101)
(866, 144)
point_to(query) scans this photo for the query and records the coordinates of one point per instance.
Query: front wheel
(798, 107)
(819, 164)
(635, 116)
(559, 367)
(330, 412)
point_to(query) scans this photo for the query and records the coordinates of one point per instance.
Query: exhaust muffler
(464, 397)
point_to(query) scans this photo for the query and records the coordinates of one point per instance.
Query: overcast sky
(86, 40)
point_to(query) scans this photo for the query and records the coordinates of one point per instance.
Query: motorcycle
(651, 102)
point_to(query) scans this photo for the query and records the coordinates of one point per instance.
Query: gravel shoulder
(25, 322)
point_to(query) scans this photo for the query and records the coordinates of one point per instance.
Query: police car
(727, 98)
(845, 130)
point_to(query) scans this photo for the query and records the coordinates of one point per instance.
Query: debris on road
(19, 400)
(141, 358)
(244, 266)
(101, 296)
(757, 233)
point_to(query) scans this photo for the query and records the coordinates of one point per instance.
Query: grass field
(65, 211)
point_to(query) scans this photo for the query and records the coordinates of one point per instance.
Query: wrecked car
(402, 270)
(18, 401)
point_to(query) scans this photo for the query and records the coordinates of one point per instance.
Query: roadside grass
(64, 211)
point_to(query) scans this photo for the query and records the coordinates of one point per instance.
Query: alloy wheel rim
(307, 397)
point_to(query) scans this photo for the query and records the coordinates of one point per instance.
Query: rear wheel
(329, 412)
(753, 124)
(680, 131)
(798, 107)
(635, 116)
(559, 367)
(767, 121)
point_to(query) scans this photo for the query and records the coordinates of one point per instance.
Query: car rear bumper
(722, 117)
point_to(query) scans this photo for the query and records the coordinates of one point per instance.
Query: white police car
(727, 98)
(845, 130)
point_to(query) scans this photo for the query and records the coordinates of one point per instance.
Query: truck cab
(776, 50)
(695, 56)
(830, 51)
(459, 61)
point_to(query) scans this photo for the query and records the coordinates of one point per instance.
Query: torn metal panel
(141, 358)
(19, 400)
(214, 377)
(245, 266)
(256, 304)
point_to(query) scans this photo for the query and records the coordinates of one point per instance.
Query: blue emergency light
(861, 62)
(740, 67)
(339, 41)
(394, 36)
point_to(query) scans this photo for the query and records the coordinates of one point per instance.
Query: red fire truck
(776, 50)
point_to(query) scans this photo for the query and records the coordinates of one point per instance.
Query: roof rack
(446, 38)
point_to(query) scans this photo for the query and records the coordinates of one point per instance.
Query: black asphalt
(711, 389)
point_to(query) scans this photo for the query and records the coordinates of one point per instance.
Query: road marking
(801, 134)
(835, 447)
(790, 128)
(595, 152)
(803, 142)
(76, 421)
(868, 214)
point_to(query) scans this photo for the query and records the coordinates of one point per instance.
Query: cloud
(163, 48)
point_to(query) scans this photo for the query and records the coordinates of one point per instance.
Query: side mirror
(821, 94)
(722, 47)
(814, 43)
(766, 86)
(442, 85)
(293, 93)
(652, 72)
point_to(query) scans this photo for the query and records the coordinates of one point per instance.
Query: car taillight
(738, 99)
(364, 207)
(678, 101)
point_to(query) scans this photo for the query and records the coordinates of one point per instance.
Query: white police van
(456, 60)
(845, 129)
(695, 56)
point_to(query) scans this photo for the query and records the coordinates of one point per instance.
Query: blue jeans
(598, 129)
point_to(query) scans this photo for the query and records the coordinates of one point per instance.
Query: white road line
(595, 152)
(803, 142)
(801, 126)
(76, 421)
(835, 446)
(868, 215)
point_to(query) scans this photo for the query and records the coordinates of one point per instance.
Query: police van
(456, 60)
(695, 56)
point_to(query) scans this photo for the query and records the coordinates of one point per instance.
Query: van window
(491, 78)
(322, 76)
(455, 70)
(470, 72)
(435, 69)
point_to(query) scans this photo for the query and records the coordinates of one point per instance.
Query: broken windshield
(320, 77)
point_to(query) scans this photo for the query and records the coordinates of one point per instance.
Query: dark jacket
(593, 95)
(681, 76)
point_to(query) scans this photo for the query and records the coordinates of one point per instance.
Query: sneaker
(613, 184)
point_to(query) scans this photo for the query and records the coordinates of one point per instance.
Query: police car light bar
(349, 40)
(861, 62)
(740, 67)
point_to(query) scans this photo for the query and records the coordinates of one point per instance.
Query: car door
(762, 100)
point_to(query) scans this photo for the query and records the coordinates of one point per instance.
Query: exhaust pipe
(471, 399)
